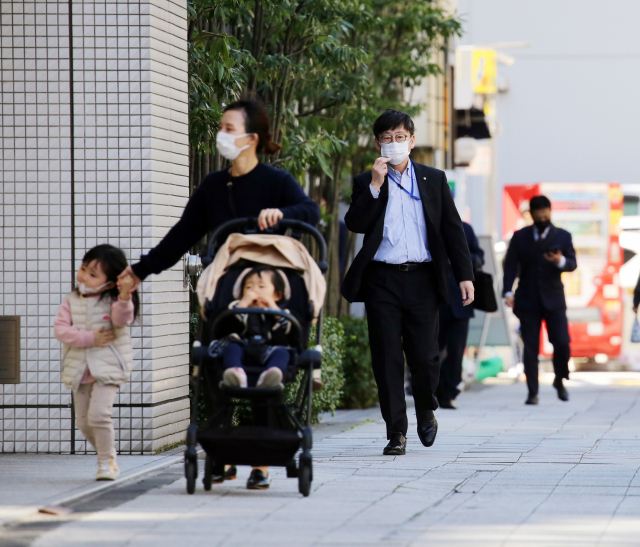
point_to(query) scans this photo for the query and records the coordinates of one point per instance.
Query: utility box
(10, 352)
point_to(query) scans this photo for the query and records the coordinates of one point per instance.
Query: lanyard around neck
(412, 176)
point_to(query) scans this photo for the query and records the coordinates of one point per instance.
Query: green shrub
(359, 389)
(326, 399)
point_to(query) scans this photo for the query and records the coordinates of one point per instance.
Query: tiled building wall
(36, 216)
(166, 195)
(130, 148)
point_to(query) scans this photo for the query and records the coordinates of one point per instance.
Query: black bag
(485, 297)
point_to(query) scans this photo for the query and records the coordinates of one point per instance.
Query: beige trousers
(94, 403)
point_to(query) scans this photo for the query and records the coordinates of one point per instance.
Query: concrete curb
(107, 485)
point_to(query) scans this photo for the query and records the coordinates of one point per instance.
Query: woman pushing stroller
(249, 188)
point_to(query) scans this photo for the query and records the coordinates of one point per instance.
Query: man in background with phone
(538, 255)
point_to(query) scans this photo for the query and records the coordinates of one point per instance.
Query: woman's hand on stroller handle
(269, 218)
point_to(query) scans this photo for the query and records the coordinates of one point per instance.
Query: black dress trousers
(402, 313)
(558, 330)
(452, 340)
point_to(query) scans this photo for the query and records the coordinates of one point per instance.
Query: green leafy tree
(325, 68)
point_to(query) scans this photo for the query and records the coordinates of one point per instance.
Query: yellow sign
(484, 68)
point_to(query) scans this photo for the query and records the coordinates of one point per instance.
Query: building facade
(568, 110)
(94, 150)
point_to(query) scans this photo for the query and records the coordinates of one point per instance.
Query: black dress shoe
(229, 475)
(397, 445)
(563, 394)
(427, 427)
(447, 403)
(258, 481)
(531, 400)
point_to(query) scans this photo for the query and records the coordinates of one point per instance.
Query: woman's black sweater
(265, 187)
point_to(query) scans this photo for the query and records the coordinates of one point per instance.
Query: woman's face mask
(397, 151)
(226, 145)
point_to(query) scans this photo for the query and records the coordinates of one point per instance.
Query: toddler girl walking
(96, 347)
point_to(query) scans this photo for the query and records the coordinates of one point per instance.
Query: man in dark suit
(454, 328)
(538, 255)
(411, 231)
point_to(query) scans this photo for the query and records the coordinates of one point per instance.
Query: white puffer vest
(108, 365)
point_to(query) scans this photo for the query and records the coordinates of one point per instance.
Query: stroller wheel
(305, 474)
(191, 472)
(208, 473)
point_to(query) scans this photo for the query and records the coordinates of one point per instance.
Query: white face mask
(397, 151)
(226, 145)
(84, 290)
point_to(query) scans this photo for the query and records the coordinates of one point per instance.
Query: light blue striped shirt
(405, 230)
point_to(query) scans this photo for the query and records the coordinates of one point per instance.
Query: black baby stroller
(278, 429)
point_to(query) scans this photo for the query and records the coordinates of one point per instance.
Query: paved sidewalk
(31, 481)
(500, 473)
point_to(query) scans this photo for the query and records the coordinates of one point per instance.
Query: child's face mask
(91, 279)
(84, 290)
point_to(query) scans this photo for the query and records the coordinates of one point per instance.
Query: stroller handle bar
(238, 223)
(263, 311)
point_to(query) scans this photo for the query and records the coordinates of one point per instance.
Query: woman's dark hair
(256, 120)
(113, 262)
(539, 202)
(392, 119)
(276, 278)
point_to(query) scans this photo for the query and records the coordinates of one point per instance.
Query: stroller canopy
(274, 250)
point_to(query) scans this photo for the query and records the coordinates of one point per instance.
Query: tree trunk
(344, 307)
(332, 192)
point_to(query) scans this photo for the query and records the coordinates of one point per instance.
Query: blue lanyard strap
(412, 176)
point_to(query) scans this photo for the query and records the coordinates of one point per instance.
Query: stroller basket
(250, 445)
(278, 430)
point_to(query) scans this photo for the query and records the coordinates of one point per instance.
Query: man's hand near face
(378, 172)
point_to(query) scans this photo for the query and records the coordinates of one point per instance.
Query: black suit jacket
(540, 280)
(477, 259)
(445, 236)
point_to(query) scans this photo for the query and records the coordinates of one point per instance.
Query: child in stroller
(261, 287)
(246, 270)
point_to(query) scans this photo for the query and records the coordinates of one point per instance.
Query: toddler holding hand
(96, 347)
